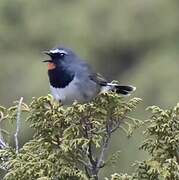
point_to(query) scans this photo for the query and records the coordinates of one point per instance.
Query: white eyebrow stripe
(58, 51)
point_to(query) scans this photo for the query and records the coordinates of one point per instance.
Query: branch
(117, 126)
(2, 142)
(18, 125)
(87, 173)
(109, 129)
(177, 155)
(105, 144)
(90, 154)
(87, 135)
(104, 149)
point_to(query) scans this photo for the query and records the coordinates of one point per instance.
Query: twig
(177, 155)
(2, 143)
(102, 153)
(88, 165)
(117, 126)
(109, 130)
(105, 144)
(87, 173)
(90, 153)
(18, 125)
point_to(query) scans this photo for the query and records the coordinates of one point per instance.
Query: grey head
(66, 58)
(60, 55)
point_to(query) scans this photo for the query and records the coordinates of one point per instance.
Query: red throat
(51, 66)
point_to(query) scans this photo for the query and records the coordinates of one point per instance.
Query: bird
(73, 79)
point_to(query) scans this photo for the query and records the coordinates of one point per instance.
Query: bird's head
(58, 56)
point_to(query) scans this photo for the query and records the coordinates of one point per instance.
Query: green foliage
(162, 143)
(121, 176)
(69, 142)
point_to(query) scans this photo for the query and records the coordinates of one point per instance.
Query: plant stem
(18, 125)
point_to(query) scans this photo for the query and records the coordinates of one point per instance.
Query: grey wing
(84, 71)
(98, 78)
(88, 85)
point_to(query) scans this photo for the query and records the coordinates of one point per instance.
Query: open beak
(49, 54)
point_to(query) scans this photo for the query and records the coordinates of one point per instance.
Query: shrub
(69, 142)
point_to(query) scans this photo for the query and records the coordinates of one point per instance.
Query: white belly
(68, 94)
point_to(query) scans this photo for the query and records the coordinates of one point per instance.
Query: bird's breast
(69, 93)
(59, 78)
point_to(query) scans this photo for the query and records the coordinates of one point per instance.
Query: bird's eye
(62, 54)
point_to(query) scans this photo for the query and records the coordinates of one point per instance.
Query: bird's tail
(120, 89)
(125, 90)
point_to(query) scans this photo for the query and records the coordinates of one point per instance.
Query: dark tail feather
(125, 90)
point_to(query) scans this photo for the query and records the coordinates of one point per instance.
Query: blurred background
(135, 42)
